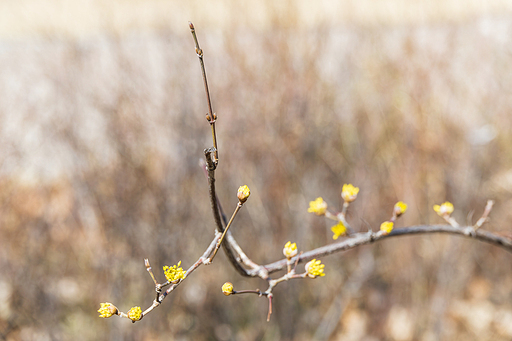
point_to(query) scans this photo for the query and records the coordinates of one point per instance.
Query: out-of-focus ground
(102, 128)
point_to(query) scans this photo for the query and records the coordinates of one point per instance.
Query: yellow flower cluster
(319, 206)
(107, 310)
(174, 273)
(387, 226)
(338, 230)
(444, 209)
(290, 250)
(349, 192)
(243, 193)
(400, 208)
(315, 268)
(135, 314)
(227, 289)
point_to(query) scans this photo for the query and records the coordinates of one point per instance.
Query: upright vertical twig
(233, 251)
(210, 116)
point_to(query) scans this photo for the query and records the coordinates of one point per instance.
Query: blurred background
(102, 126)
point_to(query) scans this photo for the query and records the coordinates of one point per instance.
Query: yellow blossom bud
(444, 209)
(107, 310)
(319, 206)
(314, 268)
(227, 289)
(135, 314)
(290, 250)
(349, 192)
(400, 208)
(243, 193)
(338, 230)
(174, 273)
(387, 227)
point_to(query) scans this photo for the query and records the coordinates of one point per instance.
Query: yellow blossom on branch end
(444, 209)
(290, 250)
(400, 208)
(315, 268)
(227, 289)
(174, 273)
(349, 192)
(318, 207)
(338, 230)
(135, 314)
(387, 227)
(107, 310)
(243, 193)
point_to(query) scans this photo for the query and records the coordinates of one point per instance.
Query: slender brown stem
(257, 291)
(269, 306)
(366, 238)
(225, 231)
(162, 296)
(148, 268)
(485, 215)
(211, 116)
(230, 245)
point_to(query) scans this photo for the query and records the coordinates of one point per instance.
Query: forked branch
(175, 275)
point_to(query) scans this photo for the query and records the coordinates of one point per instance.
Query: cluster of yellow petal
(387, 226)
(338, 230)
(445, 208)
(243, 193)
(400, 208)
(315, 268)
(135, 314)
(349, 192)
(174, 273)
(107, 310)
(227, 289)
(290, 250)
(319, 206)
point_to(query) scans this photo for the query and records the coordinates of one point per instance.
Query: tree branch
(359, 239)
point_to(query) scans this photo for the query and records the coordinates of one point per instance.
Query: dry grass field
(102, 128)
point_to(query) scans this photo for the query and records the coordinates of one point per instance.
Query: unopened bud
(107, 310)
(243, 193)
(227, 289)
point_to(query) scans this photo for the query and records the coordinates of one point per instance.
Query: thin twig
(211, 116)
(214, 204)
(485, 215)
(235, 254)
(194, 266)
(238, 207)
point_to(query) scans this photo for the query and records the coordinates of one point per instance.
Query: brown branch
(161, 296)
(234, 252)
(211, 116)
(371, 237)
(230, 245)
(485, 215)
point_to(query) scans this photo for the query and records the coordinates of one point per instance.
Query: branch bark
(370, 237)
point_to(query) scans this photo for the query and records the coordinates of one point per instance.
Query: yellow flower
(107, 310)
(387, 226)
(135, 314)
(290, 250)
(338, 230)
(314, 268)
(349, 192)
(400, 208)
(243, 193)
(174, 272)
(227, 289)
(319, 206)
(444, 209)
